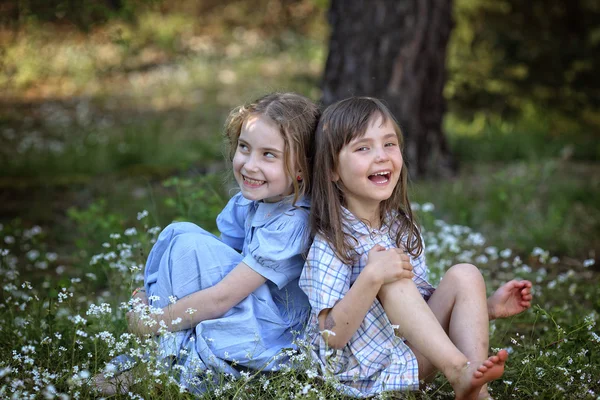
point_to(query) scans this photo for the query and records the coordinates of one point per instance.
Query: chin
(250, 195)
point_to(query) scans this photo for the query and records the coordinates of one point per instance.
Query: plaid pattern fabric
(375, 359)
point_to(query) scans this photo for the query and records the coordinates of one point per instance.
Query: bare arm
(345, 317)
(348, 313)
(206, 304)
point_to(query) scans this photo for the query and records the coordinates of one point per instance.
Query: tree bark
(395, 50)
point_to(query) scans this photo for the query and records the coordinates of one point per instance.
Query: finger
(407, 266)
(404, 274)
(377, 247)
(405, 257)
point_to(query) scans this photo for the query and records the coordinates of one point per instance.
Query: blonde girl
(233, 302)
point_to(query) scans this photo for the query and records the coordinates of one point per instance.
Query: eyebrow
(272, 150)
(264, 149)
(366, 139)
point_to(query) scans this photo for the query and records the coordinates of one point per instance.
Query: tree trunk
(395, 50)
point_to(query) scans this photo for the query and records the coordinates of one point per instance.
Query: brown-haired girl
(370, 327)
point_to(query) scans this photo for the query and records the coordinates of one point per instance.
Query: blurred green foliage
(552, 204)
(508, 54)
(84, 14)
(534, 136)
(144, 97)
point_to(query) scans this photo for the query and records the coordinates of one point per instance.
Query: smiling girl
(233, 301)
(376, 323)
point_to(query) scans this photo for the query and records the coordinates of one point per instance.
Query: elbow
(337, 346)
(334, 342)
(221, 305)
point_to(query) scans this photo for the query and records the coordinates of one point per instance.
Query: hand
(138, 323)
(389, 265)
(140, 293)
(510, 299)
(136, 317)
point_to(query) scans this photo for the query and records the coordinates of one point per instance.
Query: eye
(362, 148)
(268, 154)
(391, 144)
(242, 146)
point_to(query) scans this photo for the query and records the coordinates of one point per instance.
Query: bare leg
(449, 330)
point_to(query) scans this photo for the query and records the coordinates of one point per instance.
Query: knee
(180, 227)
(465, 274)
(189, 242)
(400, 286)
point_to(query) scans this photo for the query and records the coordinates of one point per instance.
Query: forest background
(111, 115)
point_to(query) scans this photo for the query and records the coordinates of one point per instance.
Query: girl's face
(258, 163)
(369, 168)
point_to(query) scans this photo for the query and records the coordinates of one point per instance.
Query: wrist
(372, 277)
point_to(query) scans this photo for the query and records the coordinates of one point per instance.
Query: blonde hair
(341, 123)
(296, 118)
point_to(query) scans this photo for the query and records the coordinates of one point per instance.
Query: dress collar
(267, 211)
(356, 227)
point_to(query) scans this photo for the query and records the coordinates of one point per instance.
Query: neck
(368, 213)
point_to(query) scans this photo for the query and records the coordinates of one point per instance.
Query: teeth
(381, 173)
(253, 181)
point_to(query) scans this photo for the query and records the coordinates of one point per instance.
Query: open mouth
(380, 177)
(252, 182)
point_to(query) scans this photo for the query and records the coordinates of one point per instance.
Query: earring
(299, 178)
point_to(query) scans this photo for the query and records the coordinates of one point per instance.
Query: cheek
(237, 162)
(399, 160)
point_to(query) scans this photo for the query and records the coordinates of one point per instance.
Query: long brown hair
(341, 123)
(296, 117)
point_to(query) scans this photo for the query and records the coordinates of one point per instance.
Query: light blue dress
(272, 239)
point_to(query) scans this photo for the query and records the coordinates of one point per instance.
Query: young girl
(234, 301)
(371, 328)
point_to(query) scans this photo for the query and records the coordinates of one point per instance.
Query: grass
(523, 204)
(128, 118)
(69, 312)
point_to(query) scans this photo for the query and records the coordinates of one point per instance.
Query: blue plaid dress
(375, 359)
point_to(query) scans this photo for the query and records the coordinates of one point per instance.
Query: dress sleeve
(277, 249)
(325, 279)
(231, 221)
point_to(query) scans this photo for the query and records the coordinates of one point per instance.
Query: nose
(251, 163)
(381, 155)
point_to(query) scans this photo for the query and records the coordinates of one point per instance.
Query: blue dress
(272, 239)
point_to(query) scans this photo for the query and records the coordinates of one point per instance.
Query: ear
(334, 176)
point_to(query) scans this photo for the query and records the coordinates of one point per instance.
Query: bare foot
(469, 385)
(118, 384)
